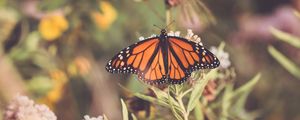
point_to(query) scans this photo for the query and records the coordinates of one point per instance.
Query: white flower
(141, 38)
(171, 33)
(191, 36)
(22, 108)
(177, 33)
(222, 56)
(87, 117)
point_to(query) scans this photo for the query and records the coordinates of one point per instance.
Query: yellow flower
(106, 17)
(80, 65)
(52, 26)
(54, 95)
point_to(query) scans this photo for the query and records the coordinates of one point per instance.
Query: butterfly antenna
(157, 26)
(173, 21)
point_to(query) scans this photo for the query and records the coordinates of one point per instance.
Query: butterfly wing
(155, 72)
(185, 56)
(143, 58)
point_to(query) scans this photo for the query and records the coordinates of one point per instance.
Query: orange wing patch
(156, 69)
(183, 44)
(188, 57)
(175, 71)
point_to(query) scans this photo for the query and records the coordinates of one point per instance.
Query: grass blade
(124, 110)
(285, 62)
(285, 37)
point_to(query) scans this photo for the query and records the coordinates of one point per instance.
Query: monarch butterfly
(163, 59)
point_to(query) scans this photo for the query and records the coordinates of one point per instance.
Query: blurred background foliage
(55, 51)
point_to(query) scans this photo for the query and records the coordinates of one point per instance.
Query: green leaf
(124, 110)
(285, 62)
(198, 89)
(198, 112)
(176, 89)
(163, 96)
(285, 37)
(32, 41)
(40, 85)
(239, 98)
(175, 109)
(226, 101)
(246, 89)
(151, 99)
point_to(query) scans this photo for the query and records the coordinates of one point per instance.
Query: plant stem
(184, 111)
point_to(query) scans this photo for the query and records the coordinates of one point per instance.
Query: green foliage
(285, 37)
(198, 89)
(40, 85)
(198, 113)
(231, 105)
(285, 62)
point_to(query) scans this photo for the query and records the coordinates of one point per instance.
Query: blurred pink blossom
(22, 108)
(257, 27)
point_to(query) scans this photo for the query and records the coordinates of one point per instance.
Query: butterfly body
(163, 59)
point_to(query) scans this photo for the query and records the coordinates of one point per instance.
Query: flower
(87, 117)
(54, 95)
(192, 14)
(172, 3)
(106, 17)
(80, 65)
(209, 92)
(222, 56)
(22, 108)
(52, 26)
(191, 36)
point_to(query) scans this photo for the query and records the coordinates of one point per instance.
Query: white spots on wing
(201, 43)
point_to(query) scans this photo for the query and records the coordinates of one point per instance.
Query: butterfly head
(163, 32)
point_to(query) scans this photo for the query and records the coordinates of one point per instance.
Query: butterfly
(163, 59)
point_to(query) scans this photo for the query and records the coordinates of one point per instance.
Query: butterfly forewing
(133, 59)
